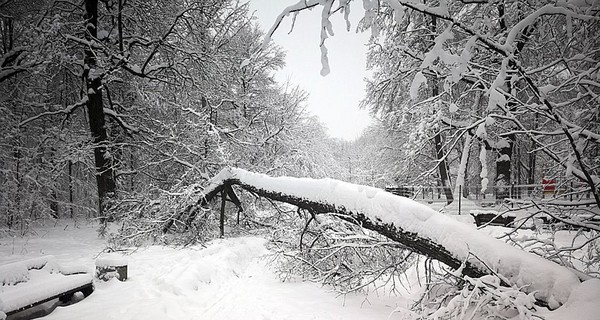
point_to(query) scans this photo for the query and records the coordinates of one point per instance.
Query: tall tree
(503, 50)
(105, 180)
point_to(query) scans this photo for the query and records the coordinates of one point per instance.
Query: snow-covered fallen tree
(416, 226)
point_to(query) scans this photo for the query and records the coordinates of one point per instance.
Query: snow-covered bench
(483, 217)
(28, 283)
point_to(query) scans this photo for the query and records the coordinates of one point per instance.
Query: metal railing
(495, 194)
(525, 191)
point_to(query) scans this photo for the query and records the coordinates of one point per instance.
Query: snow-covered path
(226, 280)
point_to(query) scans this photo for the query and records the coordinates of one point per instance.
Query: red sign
(548, 185)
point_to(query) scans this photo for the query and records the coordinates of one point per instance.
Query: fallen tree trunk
(414, 225)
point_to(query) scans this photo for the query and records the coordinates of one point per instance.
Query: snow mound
(13, 273)
(40, 286)
(111, 260)
(221, 261)
(583, 304)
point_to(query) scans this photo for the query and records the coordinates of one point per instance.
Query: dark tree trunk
(7, 33)
(104, 173)
(70, 168)
(120, 25)
(53, 204)
(505, 152)
(532, 156)
(504, 168)
(443, 168)
(437, 139)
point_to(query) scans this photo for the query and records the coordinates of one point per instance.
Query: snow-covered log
(412, 224)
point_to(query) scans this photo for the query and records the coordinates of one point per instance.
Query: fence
(525, 191)
(494, 194)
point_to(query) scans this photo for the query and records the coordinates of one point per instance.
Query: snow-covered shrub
(567, 235)
(176, 218)
(452, 296)
(142, 217)
(339, 253)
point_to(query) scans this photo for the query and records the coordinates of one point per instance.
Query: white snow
(481, 132)
(16, 272)
(226, 279)
(416, 84)
(549, 281)
(111, 260)
(452, 108)
(503, 157)
(583, 304)
(462, 168)
(102, 34)
(484, 172)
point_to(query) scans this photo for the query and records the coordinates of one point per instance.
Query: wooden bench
(29, 283)
(482, 219)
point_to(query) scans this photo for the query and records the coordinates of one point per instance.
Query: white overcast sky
(334, 98)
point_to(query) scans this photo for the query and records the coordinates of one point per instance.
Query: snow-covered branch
(67, 111)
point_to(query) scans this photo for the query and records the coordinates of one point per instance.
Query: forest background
(121, 110)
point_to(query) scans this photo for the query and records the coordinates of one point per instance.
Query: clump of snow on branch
(462, 63)
(418, 80)
(452, 108)
(497, 98)
(438, 52)
(484, 171)
(371, 7)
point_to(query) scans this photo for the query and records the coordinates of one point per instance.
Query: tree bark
(437, 139)
(505, 152)
(70, 175)
(104, 172)
(7, 26)
(443, 168)
(504, 168)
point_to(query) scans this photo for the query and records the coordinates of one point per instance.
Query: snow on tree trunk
(440, 154)
(462, 169)
(412, 224)
(104, 173)
(504, 167)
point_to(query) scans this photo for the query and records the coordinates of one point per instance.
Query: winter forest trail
(228, 279)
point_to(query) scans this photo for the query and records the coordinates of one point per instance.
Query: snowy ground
(228, 279)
